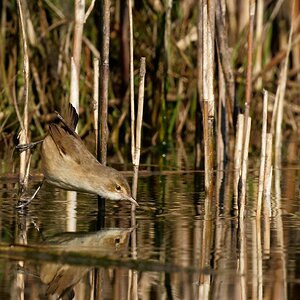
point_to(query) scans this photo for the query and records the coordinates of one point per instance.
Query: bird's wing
(68, 144)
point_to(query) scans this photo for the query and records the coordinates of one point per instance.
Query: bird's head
(116, 187)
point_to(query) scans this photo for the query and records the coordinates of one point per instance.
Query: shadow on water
(180, 251)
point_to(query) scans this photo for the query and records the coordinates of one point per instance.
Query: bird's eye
(118, 188)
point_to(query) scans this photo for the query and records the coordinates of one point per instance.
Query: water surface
(177, 250)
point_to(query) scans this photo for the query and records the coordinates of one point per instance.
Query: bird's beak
(132, 201)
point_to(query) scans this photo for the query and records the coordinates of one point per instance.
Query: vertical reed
(78, 31)
(208, 24)
(221, 129)
(268, 175)
(242, 196)
(133, 275)
(74, 86)
(96, 98)
(131, 79)
(23, 135)
(136, 132)
(262, 155)
(248, 95)
(259, 41)
(238, 155)
(104, 76)
(25, 156)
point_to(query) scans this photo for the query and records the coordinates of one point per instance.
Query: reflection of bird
(60, 278)
(68, 164)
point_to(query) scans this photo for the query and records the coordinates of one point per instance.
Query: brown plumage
(68, 164)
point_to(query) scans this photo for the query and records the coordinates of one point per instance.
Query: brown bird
(68, 164)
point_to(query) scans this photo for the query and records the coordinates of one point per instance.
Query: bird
(68, 164)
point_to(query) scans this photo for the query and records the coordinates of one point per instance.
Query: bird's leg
(24, 201)
(24, 147)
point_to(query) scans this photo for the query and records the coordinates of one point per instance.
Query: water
(182, 251)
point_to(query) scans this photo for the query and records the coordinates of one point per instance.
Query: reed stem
(23, 135)
(268, 175)
(74, 88)
(139, 121)
(262, 155)
(242, 196)
(238, 155)
(104, 76)
(78, 32)
(96, 98)
(131, 79)
(208, 24)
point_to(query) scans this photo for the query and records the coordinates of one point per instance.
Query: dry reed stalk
(78, 32)
(243, 13)
(139, 121)
(249, 63)
(208, 150)
(104, 76)
(282, 87)
(238, 155)
(208, 23)
(88, 12)
(221, 129)
(133, 274)
(74, 86)
(136, 131)
(96, 98)
(268, 175)
(72, 195)
(242, 196)
(232, 19)
(131, 79)
(262, 155)
(259, 41)
(23, 135)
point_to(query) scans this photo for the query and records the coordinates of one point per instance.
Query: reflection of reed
(19, 280)
(133, 274)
